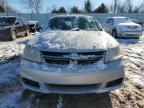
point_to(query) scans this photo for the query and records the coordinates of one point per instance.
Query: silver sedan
(73, 56)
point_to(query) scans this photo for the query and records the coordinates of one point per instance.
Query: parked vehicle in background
(73, 56)
(34, 26)
(11, 27)
(122, 27)
(138, 22)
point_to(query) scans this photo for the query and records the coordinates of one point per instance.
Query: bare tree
(126, 7)
(4, 7)
(115, 6)
(121, 8)
(33, 5)
(139, 8)
(129, 5)
(87, 6)
(38, 5)
(131, 8)
(3, 4)
(142, 7)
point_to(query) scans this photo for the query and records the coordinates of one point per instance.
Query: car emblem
(74, 56)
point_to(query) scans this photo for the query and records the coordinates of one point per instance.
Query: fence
(43, 18)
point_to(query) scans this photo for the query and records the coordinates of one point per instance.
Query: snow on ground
(9, 71)
(135, 62)
(8, 50)
(9, 100)
(10, 57)
(132, 94)
(10, 61)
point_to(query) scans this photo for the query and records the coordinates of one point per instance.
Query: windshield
(7, 21)
(123, 20)
(74, 23)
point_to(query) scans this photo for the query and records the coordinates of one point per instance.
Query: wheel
(27, 32)
(114, 33)
(13, 35)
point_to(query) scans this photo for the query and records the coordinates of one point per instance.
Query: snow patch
(9, 71)
(9, 50)
(10, 100)
(60, 102)
(136, 80)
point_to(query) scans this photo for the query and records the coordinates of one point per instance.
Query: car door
(111, 25)
(108, 25)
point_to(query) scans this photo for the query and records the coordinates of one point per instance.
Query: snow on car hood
(73, 40)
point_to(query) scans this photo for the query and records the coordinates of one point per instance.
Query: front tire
(114, 33)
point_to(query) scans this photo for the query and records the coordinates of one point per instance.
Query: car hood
(73, 41)
(129, 24)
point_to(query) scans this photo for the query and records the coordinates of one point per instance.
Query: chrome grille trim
(65, 58)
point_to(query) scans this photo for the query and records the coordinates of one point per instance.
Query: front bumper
(130, 34)
(58, 80)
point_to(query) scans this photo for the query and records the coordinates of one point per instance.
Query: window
(109, 21)
(94, 24)
(70, 23)
(7, 20)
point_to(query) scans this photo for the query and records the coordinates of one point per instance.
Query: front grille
(73, 87)
(66, 58)
(132, 27)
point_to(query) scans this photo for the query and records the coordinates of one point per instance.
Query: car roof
(117, 17)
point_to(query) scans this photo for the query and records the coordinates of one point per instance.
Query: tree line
(117, 6)
(5, 8)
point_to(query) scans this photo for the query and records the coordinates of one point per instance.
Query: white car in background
(122, 27)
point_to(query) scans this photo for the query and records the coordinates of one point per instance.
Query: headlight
(113, 55)
(32, 54)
